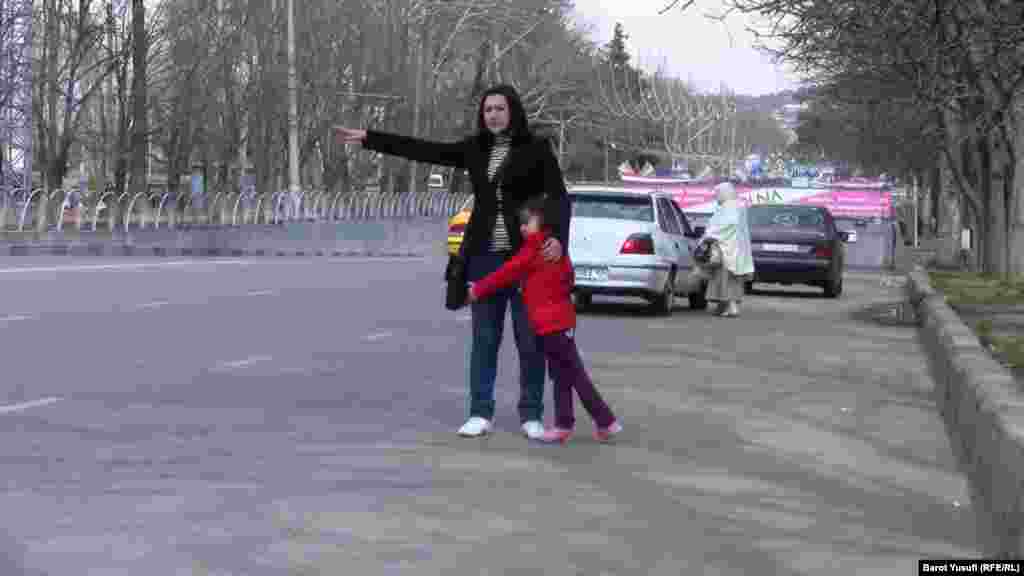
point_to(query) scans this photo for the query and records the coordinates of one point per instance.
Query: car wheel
(833, 287)
(582, 301)
(748, 287)
(699, 299)
(664, 303)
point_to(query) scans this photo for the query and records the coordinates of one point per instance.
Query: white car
(625, 242)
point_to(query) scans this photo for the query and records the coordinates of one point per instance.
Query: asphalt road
(297, 416)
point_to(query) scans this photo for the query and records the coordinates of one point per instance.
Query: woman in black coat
(507, 165)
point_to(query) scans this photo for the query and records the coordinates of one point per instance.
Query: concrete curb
(983, 408)
(111, 250)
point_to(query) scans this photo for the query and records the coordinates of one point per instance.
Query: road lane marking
(186, 263)
(152, 305)
(260, 293)
(377, 336)
(22, 406)
(99, 267)
(243, 363)
(14, 318)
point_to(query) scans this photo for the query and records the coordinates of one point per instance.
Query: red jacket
(547, 287)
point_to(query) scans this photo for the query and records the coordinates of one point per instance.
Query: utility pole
(293, 108)
(732, 142)
(420, 91)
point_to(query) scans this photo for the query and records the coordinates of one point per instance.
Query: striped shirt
(500, 241)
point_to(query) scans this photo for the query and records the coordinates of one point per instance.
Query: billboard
(843, 199)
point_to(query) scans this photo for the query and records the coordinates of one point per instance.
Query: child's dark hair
(534, 206)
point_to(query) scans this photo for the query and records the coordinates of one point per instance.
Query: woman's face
(496, 113)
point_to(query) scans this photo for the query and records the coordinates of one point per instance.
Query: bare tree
(73, 72)
(961, 61)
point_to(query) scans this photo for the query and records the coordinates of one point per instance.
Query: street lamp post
(916, 208)
(29, 111)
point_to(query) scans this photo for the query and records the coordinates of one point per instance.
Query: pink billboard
(842, 199)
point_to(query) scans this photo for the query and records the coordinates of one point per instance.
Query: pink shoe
(556, 435)
(608, 434)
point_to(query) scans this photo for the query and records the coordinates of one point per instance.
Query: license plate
(780, 248)
(591, 274)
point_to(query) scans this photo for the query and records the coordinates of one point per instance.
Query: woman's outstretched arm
(442, 153)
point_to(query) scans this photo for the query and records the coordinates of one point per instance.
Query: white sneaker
(534, 429)
(475, 426)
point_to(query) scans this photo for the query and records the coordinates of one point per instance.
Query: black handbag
(457, 287)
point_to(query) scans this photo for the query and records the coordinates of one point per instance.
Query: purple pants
(566, 369)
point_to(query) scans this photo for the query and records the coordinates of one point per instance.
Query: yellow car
(457, 226)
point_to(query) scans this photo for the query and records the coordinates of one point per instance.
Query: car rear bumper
(637, 280)
(789, 269)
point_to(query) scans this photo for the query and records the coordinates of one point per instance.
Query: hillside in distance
(766, 103)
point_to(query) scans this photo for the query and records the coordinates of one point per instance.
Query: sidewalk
(801, 439)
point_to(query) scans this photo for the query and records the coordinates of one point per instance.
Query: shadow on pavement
(787, 292)
(631, 309)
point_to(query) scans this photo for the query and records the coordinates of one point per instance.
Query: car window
(681, 216)
(609, 207)
(786, 216)
(667, 218)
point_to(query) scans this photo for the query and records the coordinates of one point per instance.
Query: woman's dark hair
(535, 206)
(518, 127)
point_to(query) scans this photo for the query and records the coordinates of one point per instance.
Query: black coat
(531, 170)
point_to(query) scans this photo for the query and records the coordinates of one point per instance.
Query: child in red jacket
(547, 289)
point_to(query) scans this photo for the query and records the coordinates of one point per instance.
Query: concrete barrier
(145, 220)
(983, 408)
(410, 237)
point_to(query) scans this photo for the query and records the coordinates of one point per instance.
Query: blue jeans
(488, 327)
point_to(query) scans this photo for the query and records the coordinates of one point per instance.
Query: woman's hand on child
(470, 297)
(552, 250)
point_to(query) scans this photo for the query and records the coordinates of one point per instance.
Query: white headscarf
(729, 226)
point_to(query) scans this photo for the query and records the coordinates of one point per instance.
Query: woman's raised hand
(349, 135)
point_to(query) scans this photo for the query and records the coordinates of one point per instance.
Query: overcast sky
(690, 45)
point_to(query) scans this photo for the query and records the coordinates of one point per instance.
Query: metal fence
(63, 209)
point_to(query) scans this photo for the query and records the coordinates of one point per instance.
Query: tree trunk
(140, 116)
(1001, 204)
(988, 239)
(103, 159)
(950, 222)
(51, 74)
(122, 146)
(1015, 180)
